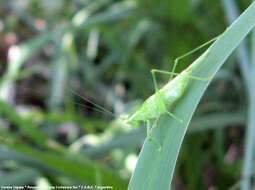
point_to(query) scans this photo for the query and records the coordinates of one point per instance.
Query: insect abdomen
(174, 91)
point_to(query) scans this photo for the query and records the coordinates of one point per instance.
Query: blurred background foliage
(56, 54)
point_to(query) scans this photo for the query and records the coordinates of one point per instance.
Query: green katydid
(158, 104)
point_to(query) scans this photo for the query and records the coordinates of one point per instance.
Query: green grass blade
(118, 13)
(71, 165)
(155, 169)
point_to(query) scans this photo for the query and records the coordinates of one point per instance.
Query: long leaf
(155, 169)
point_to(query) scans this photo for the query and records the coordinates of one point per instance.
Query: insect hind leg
(175, 74)
(189, 53)
(153, 71)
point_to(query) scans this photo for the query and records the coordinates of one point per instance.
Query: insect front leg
(152, 140)
(175, 117)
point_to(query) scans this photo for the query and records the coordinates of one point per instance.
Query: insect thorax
(153, 107)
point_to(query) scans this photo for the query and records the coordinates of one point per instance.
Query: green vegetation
(57, 54)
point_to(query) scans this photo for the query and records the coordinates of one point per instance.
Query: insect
(157, 104)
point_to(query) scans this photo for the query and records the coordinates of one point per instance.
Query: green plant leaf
(69, 164)
(154, 169)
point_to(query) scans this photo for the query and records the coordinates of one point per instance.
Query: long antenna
(94, 104)
(96, 109)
